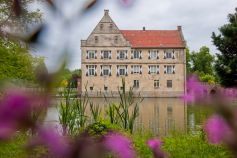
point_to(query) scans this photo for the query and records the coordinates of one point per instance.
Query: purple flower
(56, 144)
(155, 145)
(119, 145)
(217, 129)
(15, 112)
(195, 90)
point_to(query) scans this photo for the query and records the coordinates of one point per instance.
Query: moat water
(160, 116)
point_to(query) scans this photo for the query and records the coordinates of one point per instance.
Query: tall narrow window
(96, 39)
(121, 54)
(153, 54)
(156, 84)
(91, 54)
(153, 69)
(169, 54)
(136, 69)
(169, 83)
(91, 70)
(122, 70)
(105, 54)
(136, 83)
(116, 39)
(169, 69)
(101, 26)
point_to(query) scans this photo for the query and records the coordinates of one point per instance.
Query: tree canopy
(226, 43)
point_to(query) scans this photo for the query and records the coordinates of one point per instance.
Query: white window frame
(169, 54)
(91, 70)
(153, 69)
(91, 54)
(136, 84)
(136, 69)
(120, 69)
(136, 54)
(169, 69)
(105, 68)
(121, 54)
(153, 54)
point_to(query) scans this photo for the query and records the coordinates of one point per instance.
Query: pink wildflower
(155, 145)
(119, 145)
(217, 129)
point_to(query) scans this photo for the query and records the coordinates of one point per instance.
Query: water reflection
(157, 115)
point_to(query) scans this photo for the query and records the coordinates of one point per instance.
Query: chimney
(144, 28)
(106, 12)
(179, 28)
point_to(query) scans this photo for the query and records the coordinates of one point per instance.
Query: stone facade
(108, 55)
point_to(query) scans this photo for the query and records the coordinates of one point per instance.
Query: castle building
(153, 62)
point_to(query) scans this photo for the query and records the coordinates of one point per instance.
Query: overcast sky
(199, 18)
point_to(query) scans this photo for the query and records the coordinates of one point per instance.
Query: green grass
(13, 148)
(182, 146)
(177, 146)
(193, 146)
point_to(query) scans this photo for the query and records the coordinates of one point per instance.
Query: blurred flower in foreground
(155, 146)
(49, 138)
(15, 113)
(127, 2)
(217, 129)
(195, 90)
(120, 145)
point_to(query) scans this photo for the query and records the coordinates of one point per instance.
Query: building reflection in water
(157, 115)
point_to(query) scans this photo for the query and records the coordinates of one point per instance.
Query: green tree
(202, 61)
(16, 15)
(226, 43)
(16, 62)
(188, 61)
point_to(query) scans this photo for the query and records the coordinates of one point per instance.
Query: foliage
(95, 111)
(13, 148)
(120, 114)
(17, 17)
(72, 112)
(202, 61)
(226, 43)
(188, 61)
(187, 145)
(208, 78)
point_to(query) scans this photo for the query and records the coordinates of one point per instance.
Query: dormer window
(96, 39)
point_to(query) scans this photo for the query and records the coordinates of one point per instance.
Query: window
(122, 54)
(110, 26)
(136, 69)
(105, 70)
(91, 70)
(136, 83)
(91, 88)
(105, 88)
(105, 54)
(169, 69)
(156, 84)
(153, 69)
(153, 54)
(116, 39)
(169, 54)
(136, 54)
(101, 26)
(96, 39)
(121, 70)
(91, 54)
(169, 83)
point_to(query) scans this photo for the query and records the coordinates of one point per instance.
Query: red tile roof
(154, 38)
